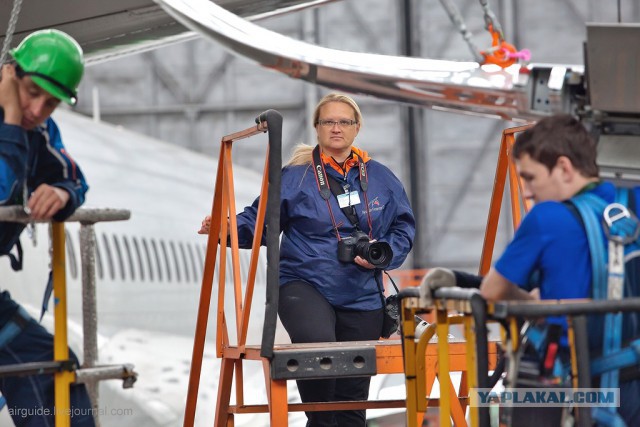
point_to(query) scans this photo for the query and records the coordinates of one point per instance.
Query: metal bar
(35, 368)
(89, 311)
(494, 208)
(445, 85)
(424, 385)
(83, 215)
(456, 293)
(581, 346)
(472, 372)
(502, 167)
(205, 300)
(255, 251)
(97, 373)
(230, 203)
(62, 380)
(228, 228)
(410, 363)
(224, 394)
(514, 185)
(442, 328)
(253, 130)
(505, 309)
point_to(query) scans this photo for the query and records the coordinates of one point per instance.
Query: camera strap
(378, 278)
(328, 184)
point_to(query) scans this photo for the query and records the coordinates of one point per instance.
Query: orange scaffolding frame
(388, 353)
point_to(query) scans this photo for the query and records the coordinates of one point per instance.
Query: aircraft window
(71, 255)
(116, 246)
(176, 262)
(99, 269)
(192, 258)
(127, 250)
(185, 264)
(165, 255)
(138, 257)
(156, 254)
(147, 254)
(107, 251)
(200, 254)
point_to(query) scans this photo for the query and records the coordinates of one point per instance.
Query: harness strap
(587, 205)
(627, 356)
(16, 261)
(323, 187)
(591, 208)
(619, 230)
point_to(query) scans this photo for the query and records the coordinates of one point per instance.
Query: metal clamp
(616, 212)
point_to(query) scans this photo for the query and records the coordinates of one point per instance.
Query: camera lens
(378, 253)
(375, 253)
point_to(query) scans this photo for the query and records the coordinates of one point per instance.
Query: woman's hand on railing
(206, 225)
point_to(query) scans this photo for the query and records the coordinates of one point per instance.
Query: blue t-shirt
(552, 243)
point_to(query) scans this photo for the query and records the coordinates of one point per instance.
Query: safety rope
(11, 27)
(490, 20)
(458, 21)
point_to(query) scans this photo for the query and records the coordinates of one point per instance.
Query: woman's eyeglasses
(340, 123)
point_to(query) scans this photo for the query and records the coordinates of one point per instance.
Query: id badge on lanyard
(351, 198)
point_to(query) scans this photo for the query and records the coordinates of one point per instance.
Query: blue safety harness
(621, 229)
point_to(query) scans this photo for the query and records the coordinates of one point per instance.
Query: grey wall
(194, 93)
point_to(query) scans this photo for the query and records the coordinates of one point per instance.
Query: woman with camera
(344, 218)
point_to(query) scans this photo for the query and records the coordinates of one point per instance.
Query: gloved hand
(435, 278)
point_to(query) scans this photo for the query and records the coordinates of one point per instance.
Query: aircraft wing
(112, 28)
(515, 93)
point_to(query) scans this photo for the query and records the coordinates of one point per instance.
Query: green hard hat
(54, 62)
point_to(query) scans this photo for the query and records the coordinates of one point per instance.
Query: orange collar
(352, 161)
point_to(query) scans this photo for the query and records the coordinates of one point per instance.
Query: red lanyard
(325, 189)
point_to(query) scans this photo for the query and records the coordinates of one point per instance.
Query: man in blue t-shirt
(556, 160)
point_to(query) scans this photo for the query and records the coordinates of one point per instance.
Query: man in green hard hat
(37, 173)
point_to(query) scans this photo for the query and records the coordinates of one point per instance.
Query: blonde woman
(344, 218)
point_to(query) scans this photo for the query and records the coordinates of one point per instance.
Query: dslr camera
(378, 254)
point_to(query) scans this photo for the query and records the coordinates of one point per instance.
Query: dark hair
(555, 136)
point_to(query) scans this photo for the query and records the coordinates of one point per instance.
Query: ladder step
(323, 363)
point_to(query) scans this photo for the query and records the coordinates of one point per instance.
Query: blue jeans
(30, 399)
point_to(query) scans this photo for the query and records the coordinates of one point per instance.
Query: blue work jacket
(309, 246)
(29, 158)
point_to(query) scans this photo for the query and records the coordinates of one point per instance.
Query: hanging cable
(490, 20)
(458, 21)
(15, 11)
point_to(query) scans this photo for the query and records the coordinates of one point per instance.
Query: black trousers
(308, 317)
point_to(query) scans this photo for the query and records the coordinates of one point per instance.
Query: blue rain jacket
(309, 246)
(32, 158)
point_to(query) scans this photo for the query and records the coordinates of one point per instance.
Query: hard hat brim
(54, 90)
